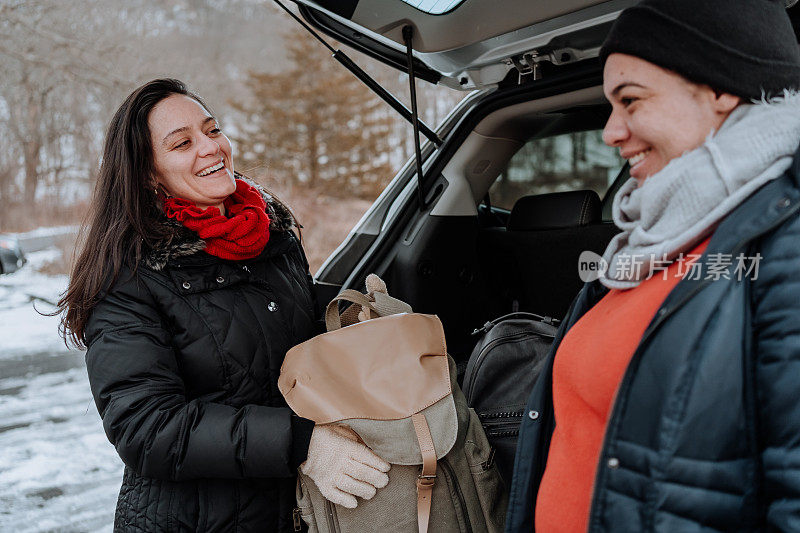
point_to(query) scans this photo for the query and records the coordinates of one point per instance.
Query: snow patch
(58, 472)
(46, 232)
(23, 329)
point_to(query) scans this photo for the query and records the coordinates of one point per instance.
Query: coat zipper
(453, 482)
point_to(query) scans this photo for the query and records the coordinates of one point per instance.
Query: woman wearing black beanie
(669, 401)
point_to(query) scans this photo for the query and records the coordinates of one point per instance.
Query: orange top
(587, 371)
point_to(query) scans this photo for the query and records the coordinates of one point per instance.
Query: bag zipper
(505, 424)
(330, 517)
(296, 520)
(453, 482)
(517, 314)
(497, 433)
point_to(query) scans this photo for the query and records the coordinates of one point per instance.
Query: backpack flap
(395, 440)
(375, 375)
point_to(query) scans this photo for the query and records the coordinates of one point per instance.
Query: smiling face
(191, 156)
(658, 115)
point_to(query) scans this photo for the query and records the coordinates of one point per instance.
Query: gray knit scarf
(679, 206)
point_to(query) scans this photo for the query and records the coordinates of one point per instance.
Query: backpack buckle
(426, 480)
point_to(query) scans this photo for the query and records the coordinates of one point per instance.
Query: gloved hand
(342, 467)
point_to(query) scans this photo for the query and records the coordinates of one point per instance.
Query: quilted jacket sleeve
(776, 321)
(138, 390)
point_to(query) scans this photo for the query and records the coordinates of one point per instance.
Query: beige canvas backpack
(387, 376)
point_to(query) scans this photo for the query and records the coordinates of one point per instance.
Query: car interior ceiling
(469, 269)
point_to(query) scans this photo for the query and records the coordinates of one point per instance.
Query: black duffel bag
(500, 374)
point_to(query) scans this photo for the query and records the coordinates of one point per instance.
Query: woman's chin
(638, 173)
(219, 185)
(645, 169)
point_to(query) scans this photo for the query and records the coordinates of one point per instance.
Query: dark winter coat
(704, 433)
(183, 361)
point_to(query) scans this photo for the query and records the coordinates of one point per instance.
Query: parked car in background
(11, 256)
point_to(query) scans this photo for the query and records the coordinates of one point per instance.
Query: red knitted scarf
(242, 234)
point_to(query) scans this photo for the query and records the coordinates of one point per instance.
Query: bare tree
(67, 65)
(48, 76)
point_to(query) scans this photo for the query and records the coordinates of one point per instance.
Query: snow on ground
(57, 470)
(22, 329)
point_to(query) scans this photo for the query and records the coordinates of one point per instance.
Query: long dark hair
(124, 218)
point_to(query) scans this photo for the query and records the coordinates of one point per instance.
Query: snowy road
(40, 239)
(57, 470)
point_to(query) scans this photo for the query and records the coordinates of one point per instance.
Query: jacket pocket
(491, 491)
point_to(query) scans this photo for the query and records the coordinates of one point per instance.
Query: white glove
(342, 467)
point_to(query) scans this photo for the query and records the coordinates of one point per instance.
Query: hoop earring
(160, 191)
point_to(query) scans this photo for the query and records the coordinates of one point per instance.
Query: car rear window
(434, 7)
(566, 162)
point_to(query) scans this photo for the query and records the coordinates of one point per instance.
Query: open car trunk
(462, 257)
(469, 262)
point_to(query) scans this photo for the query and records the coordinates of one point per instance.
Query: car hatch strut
(408, 33)
(411, 116)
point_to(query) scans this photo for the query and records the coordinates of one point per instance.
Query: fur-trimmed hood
(184, 242)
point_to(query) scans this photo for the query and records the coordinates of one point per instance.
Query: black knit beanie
(742, 47)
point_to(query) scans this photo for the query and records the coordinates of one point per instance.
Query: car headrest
(555, 210)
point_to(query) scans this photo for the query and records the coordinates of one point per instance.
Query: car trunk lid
(468, 44)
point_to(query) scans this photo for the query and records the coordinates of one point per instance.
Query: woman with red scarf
(190, 288)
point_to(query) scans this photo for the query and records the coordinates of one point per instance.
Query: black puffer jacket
(704, 433)
(183, 361)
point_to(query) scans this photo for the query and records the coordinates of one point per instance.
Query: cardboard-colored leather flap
(382, 369)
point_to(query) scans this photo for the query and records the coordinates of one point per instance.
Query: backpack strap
(334, 321)
(373, 305)
(427, 477)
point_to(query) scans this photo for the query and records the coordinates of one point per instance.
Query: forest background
(301, 124)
